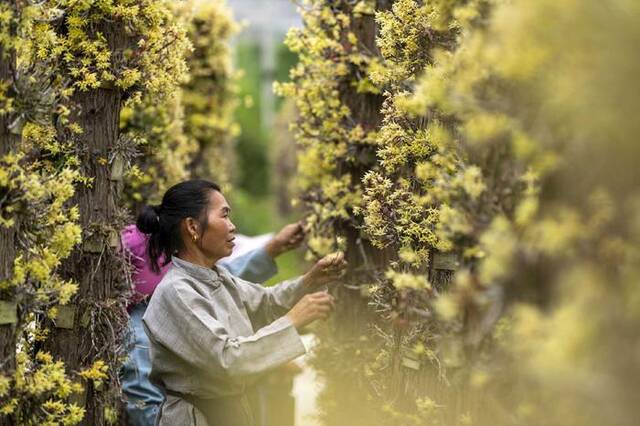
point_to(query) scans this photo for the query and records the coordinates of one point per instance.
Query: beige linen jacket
(213, 334)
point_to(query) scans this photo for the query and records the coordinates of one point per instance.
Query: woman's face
(216, 241)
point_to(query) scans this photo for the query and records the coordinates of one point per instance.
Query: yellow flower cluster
(333, 143)
(61, 48)
(97, 372)
(505, 139)
(157, 130)
(152, 63)
(210, 95)
(44, 380)
(191, 129)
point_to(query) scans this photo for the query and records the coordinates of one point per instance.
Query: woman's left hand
(326, 270)
(288, 238)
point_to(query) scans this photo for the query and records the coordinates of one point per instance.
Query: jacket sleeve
(265, 304)
(183, 322)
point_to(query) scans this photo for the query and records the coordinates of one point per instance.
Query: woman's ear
(193, 229)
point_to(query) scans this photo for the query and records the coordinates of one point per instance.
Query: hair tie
(156, 209)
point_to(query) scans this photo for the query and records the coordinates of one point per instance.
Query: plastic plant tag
(410, 360)
(446, 261)
(93, 244)
(365, 290)
(117, 168)
(114, 239)
(8, 312)
(410, 363)
(66, 314)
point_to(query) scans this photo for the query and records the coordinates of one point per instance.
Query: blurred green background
(258, 208)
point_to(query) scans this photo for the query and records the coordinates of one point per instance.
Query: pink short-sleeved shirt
(145, 281)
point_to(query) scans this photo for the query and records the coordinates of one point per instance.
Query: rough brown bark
(8, 140)
(94, 265)
(365, 110)
(352, 317)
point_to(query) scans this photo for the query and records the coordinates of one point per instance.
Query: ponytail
(162, 222)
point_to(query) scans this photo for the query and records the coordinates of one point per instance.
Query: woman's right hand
(311, 307)
(326, 270)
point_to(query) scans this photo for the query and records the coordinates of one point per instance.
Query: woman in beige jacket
(212, 334)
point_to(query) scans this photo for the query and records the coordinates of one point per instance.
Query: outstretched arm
(265, 304)
(258, 265)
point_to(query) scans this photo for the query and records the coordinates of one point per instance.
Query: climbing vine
(493, 200)
(191, 132)
(37, 178)
(475, 159)
(334, 144)
(210, 95)
(56, 53)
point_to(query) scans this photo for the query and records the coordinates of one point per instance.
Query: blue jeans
(143, 399)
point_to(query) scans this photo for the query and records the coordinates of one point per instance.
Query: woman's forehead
(217, 201)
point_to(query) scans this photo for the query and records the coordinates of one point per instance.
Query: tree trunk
(365, 111)
(97, 309)
(8, 141)
(352, 317)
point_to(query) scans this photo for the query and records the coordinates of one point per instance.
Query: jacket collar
(200, 273)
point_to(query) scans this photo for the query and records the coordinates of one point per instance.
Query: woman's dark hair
(185, 199)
